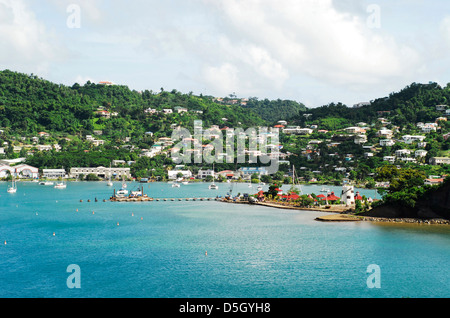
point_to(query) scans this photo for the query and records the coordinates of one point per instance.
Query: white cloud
(25, 44)
(312, 38)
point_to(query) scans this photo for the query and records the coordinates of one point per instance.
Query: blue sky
(311, 51)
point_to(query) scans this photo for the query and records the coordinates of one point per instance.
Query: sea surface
(205, 249)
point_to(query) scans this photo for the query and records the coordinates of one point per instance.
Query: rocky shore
(407, 220)
(344, 214)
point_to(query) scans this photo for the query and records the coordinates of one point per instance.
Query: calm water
(158, 248)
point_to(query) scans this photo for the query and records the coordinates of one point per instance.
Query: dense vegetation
(274, 110)
(29, 104)
(415, 103)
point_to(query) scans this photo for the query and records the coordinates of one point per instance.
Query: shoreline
(343, 214)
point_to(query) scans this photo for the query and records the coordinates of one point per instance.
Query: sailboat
(13, 187)
(109, 184)
(294, 178)
(60, 185)
(213, 186)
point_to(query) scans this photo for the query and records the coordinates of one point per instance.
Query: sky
(312, 51)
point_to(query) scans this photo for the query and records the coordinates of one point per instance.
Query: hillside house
(387, 142)
(385, 133)
(402, 152)
(410, 139)
(439, 161)
(420, 153)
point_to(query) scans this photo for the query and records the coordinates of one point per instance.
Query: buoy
(77, 210)
(142, 218)
(53, 233)
(117, 223)
(5, 242)
(206, 253)
(93, 212)
(132, 214)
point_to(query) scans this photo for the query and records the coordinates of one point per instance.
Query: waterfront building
(101, 172)
(54, 173)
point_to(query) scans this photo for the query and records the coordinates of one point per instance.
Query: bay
(198, 249)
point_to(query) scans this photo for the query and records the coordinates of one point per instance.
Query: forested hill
(415, 103)
(29, 104)
(274, 110)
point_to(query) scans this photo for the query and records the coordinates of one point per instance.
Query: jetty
(140, 196)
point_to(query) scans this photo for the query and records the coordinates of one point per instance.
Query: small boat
(175, 185)
(259, 188)
(324, 190)
(185, 182)
(12, 188)
(109, 184)
(46, 183)
(122, 193)
(60, 185)
(213, 186)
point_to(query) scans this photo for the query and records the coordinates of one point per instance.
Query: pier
(148, 199)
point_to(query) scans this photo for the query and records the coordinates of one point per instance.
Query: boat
(122, 193)
(46, 183)
(109, 184)
(13, 187)
(324, 189)
(175, 185)
(185, 182)
(60, 185)
(294, 183)
(259, 188)
(213, 186)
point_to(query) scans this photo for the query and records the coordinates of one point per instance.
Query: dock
(148, 199)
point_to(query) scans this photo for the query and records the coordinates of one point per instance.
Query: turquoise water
(158, 249)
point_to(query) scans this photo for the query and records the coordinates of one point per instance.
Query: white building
(101, 172)
(390, 159)
(44, 147)
(439, 160)
(385, 133)
(20, 171)
(202, 174)
(348, 195)
(6, 170)
(54, 173)
(429, 127)
(420, 153)
(173, 174)
(410, 139)
(402, 152)
(387, 142)
(360, 139)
